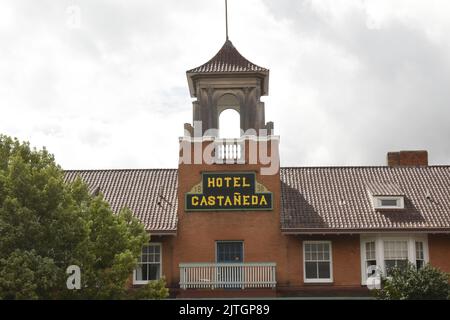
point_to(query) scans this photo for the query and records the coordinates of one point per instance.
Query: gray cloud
(393, 95)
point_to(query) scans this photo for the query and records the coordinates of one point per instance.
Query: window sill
(318, 282)
(389, 208)
(143, 282)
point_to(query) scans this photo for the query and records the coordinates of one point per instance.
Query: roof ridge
(121, 169)
(284, 168)
(367, 167)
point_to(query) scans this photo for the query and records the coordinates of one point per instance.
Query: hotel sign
(228, 191)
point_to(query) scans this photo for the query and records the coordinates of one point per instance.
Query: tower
(229, 81)
(229, 190)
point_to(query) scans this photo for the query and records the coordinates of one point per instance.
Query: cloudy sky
(102, 84)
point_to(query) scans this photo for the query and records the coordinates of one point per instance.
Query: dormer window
(386, 195)
(388, 202)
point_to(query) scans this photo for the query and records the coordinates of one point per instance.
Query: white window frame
(364, 256)
(377, 202)
(423, 252)
(329, 280)
(379, 249)
(138, 282)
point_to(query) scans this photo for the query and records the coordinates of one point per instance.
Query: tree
(153, 290)
(47, 225)
(427, 283)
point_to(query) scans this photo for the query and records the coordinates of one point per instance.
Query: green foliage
(427, 283)
(153, 290)
(47, 225)
(26, 275)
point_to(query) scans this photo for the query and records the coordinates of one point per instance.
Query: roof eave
(191, 84)
(192, 75)
(311, 231)
(162, 232)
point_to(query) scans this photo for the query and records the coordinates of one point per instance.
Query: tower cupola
(229, 81)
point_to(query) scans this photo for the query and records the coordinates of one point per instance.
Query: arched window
(229, 124)
(229, 117)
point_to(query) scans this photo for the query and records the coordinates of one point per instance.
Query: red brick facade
(439, 246)
(198, 245)
(264, 241)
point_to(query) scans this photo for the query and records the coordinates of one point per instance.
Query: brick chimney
(407, 158)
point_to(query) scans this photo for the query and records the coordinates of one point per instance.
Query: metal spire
(226, 18)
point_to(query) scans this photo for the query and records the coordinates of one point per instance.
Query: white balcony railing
(227, 275)
(229, 151)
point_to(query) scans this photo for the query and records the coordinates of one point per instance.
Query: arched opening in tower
(228, 110)
(229, 124)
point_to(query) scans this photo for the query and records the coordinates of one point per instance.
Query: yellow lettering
(237, 199)
(229, 199)
(263, 201)
(220, 198)
(246, 200)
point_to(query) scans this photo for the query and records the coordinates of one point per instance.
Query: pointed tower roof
(228, 61)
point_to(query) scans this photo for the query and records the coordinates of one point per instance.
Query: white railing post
(182, 279)
(229, 151)
(274, 277)
(242, 269)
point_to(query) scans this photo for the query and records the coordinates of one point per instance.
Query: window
(229, 251)
(385, 251)
(420, 257)
(371, 259)
(149, 265)
(317, 259)
(395, 255)
(229, 124)
(388, 202)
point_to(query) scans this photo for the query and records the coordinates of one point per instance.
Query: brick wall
(439, 250)
(407, 158)
(346, 259)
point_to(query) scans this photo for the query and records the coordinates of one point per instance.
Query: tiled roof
(314, 199)
(228, 59)
(336, 198)
(384, 189)
(150, 194)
